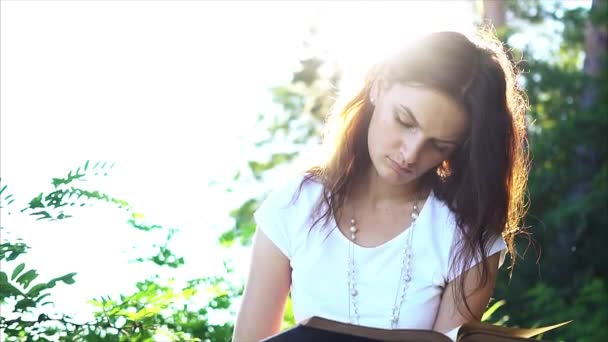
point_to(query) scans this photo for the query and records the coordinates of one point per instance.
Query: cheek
(373, 138)
(388, 130)
(386, 135)
(374, 131)
(432, 159)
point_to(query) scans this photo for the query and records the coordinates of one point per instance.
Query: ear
(376, 90)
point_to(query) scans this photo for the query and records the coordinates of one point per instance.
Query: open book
(324, 330)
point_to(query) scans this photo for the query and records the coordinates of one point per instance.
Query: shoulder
(449, 236)
(443, 219)
(290, 202)
(297, 190)
(283, 215)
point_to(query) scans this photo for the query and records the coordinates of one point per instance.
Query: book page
(453, 334)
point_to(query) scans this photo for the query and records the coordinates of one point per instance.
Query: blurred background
(137, 138)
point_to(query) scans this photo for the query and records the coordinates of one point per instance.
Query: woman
(406, 223)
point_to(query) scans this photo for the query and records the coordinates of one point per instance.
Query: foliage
(157, 309)
(305, 103)
(567, 216)
(568, 181)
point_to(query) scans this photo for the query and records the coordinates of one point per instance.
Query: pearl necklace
(405, 275)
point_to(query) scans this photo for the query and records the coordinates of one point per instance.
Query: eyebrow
(409, 112)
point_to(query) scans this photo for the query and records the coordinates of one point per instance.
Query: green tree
(157, 308)
(568, 183)
(304, 104)
(563, 274)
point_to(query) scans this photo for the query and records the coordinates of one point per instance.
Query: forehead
(438, 114)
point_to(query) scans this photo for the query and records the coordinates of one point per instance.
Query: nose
(410, 151)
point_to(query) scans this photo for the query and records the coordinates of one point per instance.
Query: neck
(376, 193)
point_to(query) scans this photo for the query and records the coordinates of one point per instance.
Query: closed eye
(404, 123)
(441, 149)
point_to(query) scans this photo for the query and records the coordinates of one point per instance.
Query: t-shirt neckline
(390, 241)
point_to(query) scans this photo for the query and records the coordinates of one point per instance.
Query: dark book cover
(324, 330)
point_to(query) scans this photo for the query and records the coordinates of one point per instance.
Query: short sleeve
(272, 217)
(496, 245)
(499, 246)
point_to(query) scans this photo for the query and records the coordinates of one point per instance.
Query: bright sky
(170, 92)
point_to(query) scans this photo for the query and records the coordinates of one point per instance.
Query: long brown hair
(484, 180)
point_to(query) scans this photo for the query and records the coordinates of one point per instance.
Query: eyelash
(409, 126)
(441, 149)
(403, 123)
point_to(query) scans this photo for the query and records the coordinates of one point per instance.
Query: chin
(390, 176)
(384, 171)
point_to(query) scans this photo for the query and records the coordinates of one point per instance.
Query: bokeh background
(138, 137)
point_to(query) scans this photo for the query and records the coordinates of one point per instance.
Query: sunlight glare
(359, 34)
(170, 92)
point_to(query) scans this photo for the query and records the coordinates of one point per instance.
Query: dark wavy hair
(484, 180)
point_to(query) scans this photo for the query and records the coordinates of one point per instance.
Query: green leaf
(258, 168)
(67, 278)
(288, 317)
(42, 215)
(24, 304)
(36, 202)
(11, 251)
(26, 278)
(17, 270)
(39, 299)
(141, 226)
(488, 313)
(36, 289)
(227, 238)
(7, 199)
(8, 290)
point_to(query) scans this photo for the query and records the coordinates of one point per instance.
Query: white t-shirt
(318, 259)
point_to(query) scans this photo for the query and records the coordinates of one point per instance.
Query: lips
(401, 170)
